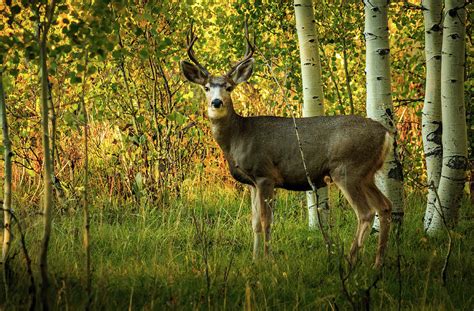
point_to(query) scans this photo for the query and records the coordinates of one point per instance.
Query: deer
(263, 153)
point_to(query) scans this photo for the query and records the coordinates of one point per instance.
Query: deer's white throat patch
(217, 113)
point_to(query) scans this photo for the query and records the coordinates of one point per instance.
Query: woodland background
(169, 226)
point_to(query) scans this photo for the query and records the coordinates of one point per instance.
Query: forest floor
(195, 253)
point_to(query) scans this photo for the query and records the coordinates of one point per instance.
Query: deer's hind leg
(355, 192)
(383, 206)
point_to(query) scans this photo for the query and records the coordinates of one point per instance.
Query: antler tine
(190, 40)
(249, 50)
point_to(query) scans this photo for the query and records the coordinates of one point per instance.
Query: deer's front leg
(256, 224)
(265, 189)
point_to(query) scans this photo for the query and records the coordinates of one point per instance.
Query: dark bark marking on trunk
(435, 136)
(383, 51)
(437, 153)
(436, 27)
(457, 163)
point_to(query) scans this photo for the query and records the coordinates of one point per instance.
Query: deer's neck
(225, 129)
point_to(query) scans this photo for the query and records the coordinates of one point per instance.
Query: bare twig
(344, 277)
(29, 270)
(310, 182)
(366, 292)
(450, 240)
(406, 101)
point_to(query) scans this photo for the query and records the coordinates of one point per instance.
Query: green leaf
(69, 118)
(109, 46)
(73, 27)
(15, 9)
(140, 119)
(91, 70)
(177, 117)
(143, 54)
(14, 72)
(117, 54)
(74, 78)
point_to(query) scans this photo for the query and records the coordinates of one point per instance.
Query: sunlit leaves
(134, 85)
(176, 117)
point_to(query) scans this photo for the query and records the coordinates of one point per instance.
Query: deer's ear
(243, 71)
(193, 73)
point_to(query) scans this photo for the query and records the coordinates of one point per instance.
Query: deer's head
(217, 88)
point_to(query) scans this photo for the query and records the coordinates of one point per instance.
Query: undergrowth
(195, 253)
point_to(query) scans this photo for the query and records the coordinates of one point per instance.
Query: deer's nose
(216, 103)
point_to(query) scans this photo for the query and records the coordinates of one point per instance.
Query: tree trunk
(453, 171)
(379, 99)
(86, 238)
(312, 92)
(431, 121)
(48, 165)
(7, 186)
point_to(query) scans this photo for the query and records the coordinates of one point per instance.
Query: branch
(412, 6)
(344, 277)
(406, 101)
(325, 235)
(49, 20)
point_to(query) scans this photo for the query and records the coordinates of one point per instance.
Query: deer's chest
(239, 171)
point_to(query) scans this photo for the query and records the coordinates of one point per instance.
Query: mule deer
(263, 152)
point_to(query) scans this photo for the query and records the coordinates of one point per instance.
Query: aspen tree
(7, 185)
(312, 92)
(379, 99)
(431, 119)
(454, 139)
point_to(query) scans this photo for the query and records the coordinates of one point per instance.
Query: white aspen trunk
(7, 186)
(379, 99)
(431, 120)
(453, 172)
(312, 93)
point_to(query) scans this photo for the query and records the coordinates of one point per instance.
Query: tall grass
(195, 253)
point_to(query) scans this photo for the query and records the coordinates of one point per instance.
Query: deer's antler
(191, 38)
(249, 50)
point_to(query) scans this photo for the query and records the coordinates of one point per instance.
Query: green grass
(195, 253)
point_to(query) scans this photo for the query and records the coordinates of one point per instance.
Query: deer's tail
(387, 147)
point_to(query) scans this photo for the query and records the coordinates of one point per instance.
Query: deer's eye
(206, 89)
(228, 89)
